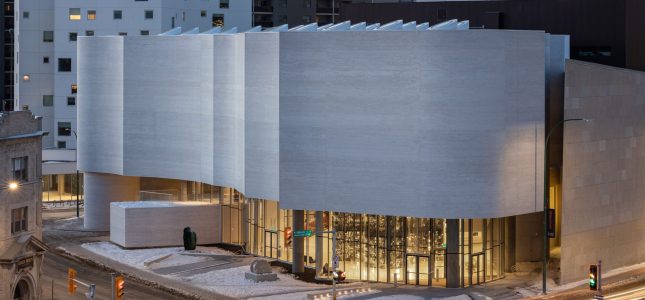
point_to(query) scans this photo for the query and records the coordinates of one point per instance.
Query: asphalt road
(54, 280)
(637, 292)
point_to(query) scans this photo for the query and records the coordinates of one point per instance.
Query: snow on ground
(137, 257)
(231, 282)
(402, 297)
(535, 286)
(176, 259)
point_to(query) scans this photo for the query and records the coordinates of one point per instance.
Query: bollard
(396, 280)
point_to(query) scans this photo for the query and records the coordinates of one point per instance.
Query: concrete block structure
(143, 224)
(420, 145)
(603, 212)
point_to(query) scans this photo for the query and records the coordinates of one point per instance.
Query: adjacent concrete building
(21, 249)
(603, 175)
(421, 145)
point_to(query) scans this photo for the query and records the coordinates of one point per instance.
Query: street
(54, 279)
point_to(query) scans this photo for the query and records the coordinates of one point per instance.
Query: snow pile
(231, 282)
(137, 257)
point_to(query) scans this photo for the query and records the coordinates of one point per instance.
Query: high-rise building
(46, 39)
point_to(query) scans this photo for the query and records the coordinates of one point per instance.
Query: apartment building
(46, 38)
(270, 13)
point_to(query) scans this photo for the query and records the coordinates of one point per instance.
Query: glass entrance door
(271, 243)
(478, 268)
(418, 269)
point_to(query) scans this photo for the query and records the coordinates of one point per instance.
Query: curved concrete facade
(100, 191)
(445, 124)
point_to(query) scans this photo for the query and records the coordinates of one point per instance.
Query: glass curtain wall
(61, 187)
(380, 248)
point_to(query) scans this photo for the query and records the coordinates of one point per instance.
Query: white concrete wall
(100, 191)
(161, 224)
(444, 124)
(430, 124)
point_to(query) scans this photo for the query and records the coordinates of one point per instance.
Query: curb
(170, 290)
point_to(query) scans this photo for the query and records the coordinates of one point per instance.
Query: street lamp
(546, 199)
(77, 175)
(13, 185)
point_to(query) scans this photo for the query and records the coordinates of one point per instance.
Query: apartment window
(91, 15)
(45, 59)
(283, 19)
(183, 16)
(306, 19)
(441, 14)
(64, 65)
(123, 33)
(74, 14)
(64, 128)
(19, 220)
(306, 3)
(19, 168)
(25, 15)
(145, 32)
(283, 3)
(48, 100)
(71, 101)
(218, 20)
(202, 13)
(223, 4)
(149, 14)
(73, 36)
(89, 32)
(74, 88)
(117, 14)
(48, 36)
(62, 144)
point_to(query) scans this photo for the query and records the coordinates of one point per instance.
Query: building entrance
(271, 243)
(418, 268)
(478, 268)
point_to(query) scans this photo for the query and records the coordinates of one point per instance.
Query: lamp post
(77, 176)
(546, 199)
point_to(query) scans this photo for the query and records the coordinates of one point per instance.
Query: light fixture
(13, 185)
(25, 77)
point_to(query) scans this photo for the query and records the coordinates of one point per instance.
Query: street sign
(302, 233)
(334, 262)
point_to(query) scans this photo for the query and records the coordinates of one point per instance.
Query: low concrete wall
(158, 223)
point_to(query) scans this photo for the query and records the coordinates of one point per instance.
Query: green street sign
(302, 233)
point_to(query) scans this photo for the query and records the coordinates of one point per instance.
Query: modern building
(21, 248)
(422, 146)
(270, 13)
(6, 52)
(602, 31)
(47, 33)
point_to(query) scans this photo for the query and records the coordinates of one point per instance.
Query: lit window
(74, 88)
(19, 220)
(71, 101)
(218, 20)
(64, 65)
(48, 100)
(145, 32)
(48, 36)
(73, 36)
(64, 128)
(19, 168)
(91, 15)
(149, 14)
(25, 15)
(118, 15)
(223, 4)
(74, 14)
(89, 32)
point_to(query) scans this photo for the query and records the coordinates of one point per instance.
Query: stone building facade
(21, 248)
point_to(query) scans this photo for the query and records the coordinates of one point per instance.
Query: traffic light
(119, 286)
(593, 277)
(71, 285)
